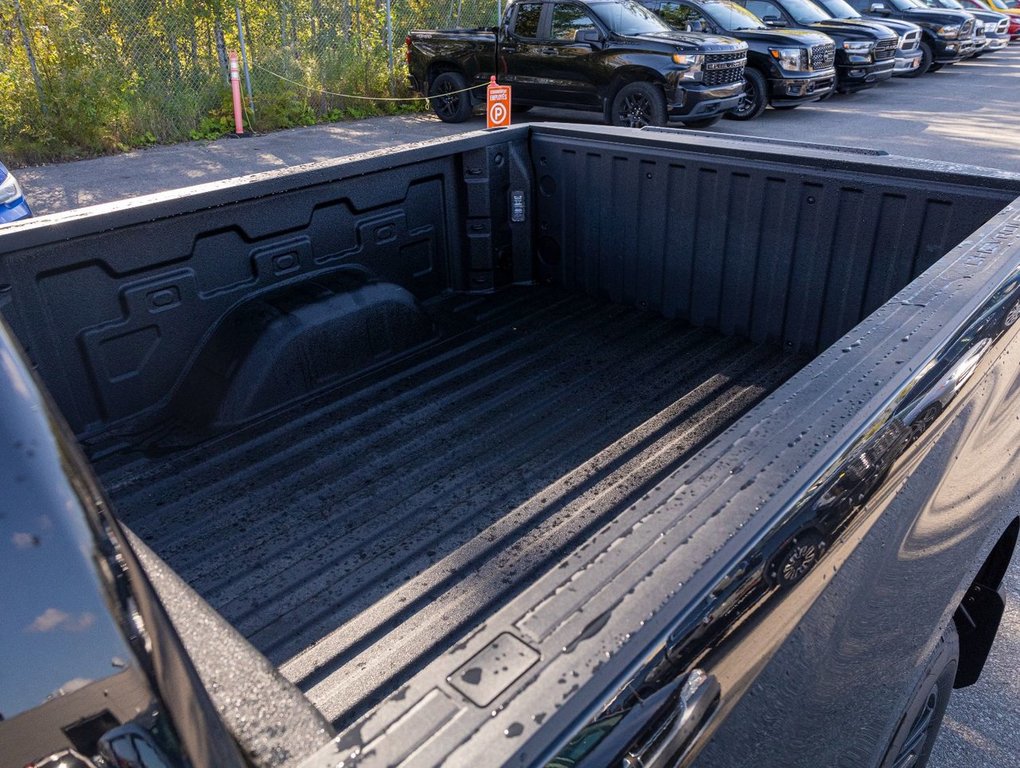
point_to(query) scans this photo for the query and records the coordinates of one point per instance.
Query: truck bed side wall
(776, 252)
(115, 306)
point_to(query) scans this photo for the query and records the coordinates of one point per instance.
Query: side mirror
(588, 35)
(774, 21)
(877, 8)
(696, 25)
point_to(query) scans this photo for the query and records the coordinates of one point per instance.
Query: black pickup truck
(865, 51)
(552, 446)
(611, 56)
(947, 36)
(909, 58)
(785, 67)
(991, 29)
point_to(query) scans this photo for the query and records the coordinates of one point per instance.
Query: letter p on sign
(497, 105)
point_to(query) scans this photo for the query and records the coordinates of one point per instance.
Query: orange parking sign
(497, 105)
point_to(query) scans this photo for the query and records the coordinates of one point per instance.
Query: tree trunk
(221, 50)
(27, 42)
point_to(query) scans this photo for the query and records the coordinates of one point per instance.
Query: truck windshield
(907, 5)
(805, 12)
(731, 16)
(625, 17)
(840, 9)
(946, 4)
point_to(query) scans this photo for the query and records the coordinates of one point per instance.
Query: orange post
(235, 88)
(497, 105)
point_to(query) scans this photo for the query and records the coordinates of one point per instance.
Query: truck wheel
(935, 67)
(450, 106)
(919, 726)
(755, 98)
(926, 59)
(639, 104)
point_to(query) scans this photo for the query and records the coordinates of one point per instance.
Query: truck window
(763, 8)
(567, 18)
(679, 16)
(526, 24)
(625, 17)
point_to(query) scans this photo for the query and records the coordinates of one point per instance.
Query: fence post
(389, 42)
(244, 57)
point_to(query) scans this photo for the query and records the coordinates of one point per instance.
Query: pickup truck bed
(354, 539)
(486, 443)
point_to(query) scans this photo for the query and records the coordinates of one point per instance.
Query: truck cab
(865, 51)
(785, 67)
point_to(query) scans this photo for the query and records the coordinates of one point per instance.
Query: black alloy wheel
(639, 104)
(754, 99)
(449, 100)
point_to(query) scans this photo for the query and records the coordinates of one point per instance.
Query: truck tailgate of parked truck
(487, 443)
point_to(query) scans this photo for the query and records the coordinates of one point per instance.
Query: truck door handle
(678, 725)
(548, 51)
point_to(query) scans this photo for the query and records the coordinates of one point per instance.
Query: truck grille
(886, 48)
(910, 41)
(1003, 27)
(823, 55)
(967, 29)
(724, 68)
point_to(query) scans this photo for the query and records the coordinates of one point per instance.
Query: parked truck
(610, 56)
(865, 50)
(550, 446)
(947, 36)
(785, 67)
(908, 51)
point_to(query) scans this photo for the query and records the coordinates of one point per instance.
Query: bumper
(997, 43)
(789, 91)
(701, 102)
(949, 52)
(907, 62)
(15, 212)
(856, 77)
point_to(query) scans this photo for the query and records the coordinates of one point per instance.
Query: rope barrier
(367, 98)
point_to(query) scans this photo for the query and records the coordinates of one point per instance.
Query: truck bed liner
(396, 513)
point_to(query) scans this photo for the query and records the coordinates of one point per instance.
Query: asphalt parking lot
(966, 113)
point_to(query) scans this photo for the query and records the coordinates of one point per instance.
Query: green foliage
(112, 75)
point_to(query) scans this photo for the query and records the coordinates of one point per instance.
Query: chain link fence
(86, 77)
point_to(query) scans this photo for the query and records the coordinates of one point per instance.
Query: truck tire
(935, 67)
(453, 107)
(639, 104)
(755, 98)
(926, 59)
(919, 725)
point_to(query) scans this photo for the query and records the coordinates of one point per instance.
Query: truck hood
(988, 17)
(941, 16)
(860, 29)
(691, 40)
(899, 26)
(797, 37)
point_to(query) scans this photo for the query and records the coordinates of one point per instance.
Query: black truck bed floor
(355, 537)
